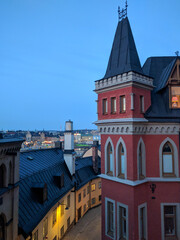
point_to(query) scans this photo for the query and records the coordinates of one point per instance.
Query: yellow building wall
(86, 200)
(55, 230)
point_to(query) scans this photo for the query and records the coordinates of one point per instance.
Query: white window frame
(177, 205)
(175, 151)
(143, 149)
(127, 220)
(144, 205)
(121, 141)
(106, 145)
(106, 216)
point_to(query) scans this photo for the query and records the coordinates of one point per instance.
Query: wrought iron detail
(122, 13)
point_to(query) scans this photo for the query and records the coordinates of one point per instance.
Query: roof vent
(30, 158)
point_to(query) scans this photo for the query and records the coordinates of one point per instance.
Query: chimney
(69, 154)
(95, 155)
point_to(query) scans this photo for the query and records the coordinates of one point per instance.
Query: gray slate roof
(45, 164)
(124, 56)
(160, 68)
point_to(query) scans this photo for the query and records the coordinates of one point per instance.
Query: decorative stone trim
(123, 78)
(132, 128)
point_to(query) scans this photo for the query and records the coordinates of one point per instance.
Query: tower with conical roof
(139, 146)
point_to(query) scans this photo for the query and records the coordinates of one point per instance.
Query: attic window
(175, 97)
(30, 158)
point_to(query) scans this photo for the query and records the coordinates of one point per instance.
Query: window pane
(111, 162)
(169, 225)
(167, 163)
(166, 148)
(122, 164)
(175, 97)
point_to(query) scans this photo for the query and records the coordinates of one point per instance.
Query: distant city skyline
(51, 53)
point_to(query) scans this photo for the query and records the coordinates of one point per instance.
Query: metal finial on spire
(122, 13)
(177, 53)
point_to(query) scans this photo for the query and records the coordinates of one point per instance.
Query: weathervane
(177, 53)
(122, 13)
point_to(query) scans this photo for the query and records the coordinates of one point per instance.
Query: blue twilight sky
(52, 51)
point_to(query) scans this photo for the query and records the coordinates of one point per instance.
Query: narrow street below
(88, 227)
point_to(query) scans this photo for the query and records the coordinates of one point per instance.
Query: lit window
(35, 235)
(170, 222)
(175, 97)
(110, 218)
(122, 104)
(122, 222)
(168, 160)
(54, 217)
(45, 227)
(109, 160)
(93, 187)
(105, 106)
(142, 104)
(121, 161)
(68, 201)
(62, 208)
(142, 212)
(113, 105)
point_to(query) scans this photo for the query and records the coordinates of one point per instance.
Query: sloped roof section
(160, 69)
(124, 57)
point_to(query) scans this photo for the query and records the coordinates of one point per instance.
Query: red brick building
(139, 122)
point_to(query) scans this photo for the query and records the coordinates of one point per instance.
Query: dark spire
(124, 57)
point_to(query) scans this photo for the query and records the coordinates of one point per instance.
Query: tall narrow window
(105, 106)
(142, 213)
(121, 161)
(35, 235)
(168, 160)
(141, 174)
(54, 216)
(122, 223)
(170, 222)
(2, 227)
(45, 228)
(109, 160)
(142, 104)
(122, 104)
(110, 219)
(113, 105)
(2, 175)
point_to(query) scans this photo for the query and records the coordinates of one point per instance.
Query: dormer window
(175, 97)
(174, 83)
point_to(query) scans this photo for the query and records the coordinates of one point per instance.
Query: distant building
(139, 122)
(28, 137)
(9, 188)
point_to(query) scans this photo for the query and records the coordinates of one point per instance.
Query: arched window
(168, 160)
(121, 161)
(2, 228)
(2, 176)
(141, 156)
(109, 159)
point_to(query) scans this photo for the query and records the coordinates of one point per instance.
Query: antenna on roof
(177, 53)
(122, 13)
